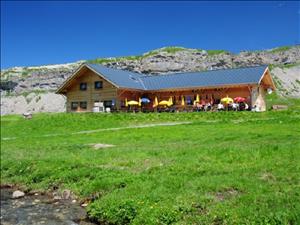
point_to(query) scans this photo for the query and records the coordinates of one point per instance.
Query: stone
(66, 194)
(84, 205)
(57, 198)
(18, 194)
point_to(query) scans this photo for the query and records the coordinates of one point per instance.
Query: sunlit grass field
(221, 168)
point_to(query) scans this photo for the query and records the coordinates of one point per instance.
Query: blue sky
(37, 33)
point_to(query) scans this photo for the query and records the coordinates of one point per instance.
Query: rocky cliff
(31, 88)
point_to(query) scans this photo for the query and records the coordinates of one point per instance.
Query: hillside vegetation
(221, 168)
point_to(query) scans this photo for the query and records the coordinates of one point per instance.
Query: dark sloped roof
(121, 78)
(212, 78)
(250, 75)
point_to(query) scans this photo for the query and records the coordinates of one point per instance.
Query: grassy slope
(224, 168)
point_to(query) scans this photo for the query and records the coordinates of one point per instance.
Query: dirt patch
(200, 209)
(101, 145)
(226, 194)
(269, 177)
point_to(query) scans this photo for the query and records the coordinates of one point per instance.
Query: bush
(117, 213)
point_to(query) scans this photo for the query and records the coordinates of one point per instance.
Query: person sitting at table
(235, 106)
(198, 106)
(202, 102)
(220, 107)
(246, 106)
(241, 106)
(207, 106)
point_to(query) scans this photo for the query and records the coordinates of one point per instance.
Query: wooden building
(92, 85)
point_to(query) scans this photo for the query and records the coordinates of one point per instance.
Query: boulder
(18, 194)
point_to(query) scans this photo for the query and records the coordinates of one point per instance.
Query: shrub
(116, 213)
(280, 49)
(215, 52)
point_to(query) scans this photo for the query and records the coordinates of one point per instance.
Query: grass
(137, 57)
(215, 52)
(274, 99)
(284, 66)
(223, 168)
(171, 49)
(26, 93)
(109, 60)
(281, 49)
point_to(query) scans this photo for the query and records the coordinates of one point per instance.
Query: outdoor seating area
(185, 104)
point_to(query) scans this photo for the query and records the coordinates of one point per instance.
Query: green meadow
(216, 168)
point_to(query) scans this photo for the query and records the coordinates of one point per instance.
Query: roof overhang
(203, 87)
(267, 79)
(65, 85)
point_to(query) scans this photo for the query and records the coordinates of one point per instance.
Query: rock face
(36, 79)
(288, 80)
(31, 88)
(47, 102)
(190, 60)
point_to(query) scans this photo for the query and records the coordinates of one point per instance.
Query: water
(40, 209)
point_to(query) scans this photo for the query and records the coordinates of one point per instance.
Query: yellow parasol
(132, 102)
(197, 98)
(155, 102)
(140, 102)
(182, 101)
(227, 100)
(164, 102)
(170, 101)
(126, 103)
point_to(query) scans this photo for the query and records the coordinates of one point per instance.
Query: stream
(40, 209)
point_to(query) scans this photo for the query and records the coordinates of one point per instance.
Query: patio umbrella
(164, 102)
(140, 102)
(145, 100)
(126, 103)
(197, 98)
(227, 100)
(182, 101)
(239, 99)
(132, 102)
(171, 101)
(155, 102)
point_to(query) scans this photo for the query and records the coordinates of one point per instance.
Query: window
(83, 105)
(83, 86)
(74, 105)
(98, 84)
(108, 104)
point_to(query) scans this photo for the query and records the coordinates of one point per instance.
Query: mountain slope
(37, 81)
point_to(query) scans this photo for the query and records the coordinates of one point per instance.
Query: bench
(279, 107)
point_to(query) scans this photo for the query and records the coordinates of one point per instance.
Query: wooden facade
(108, 92)
(114, 97)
